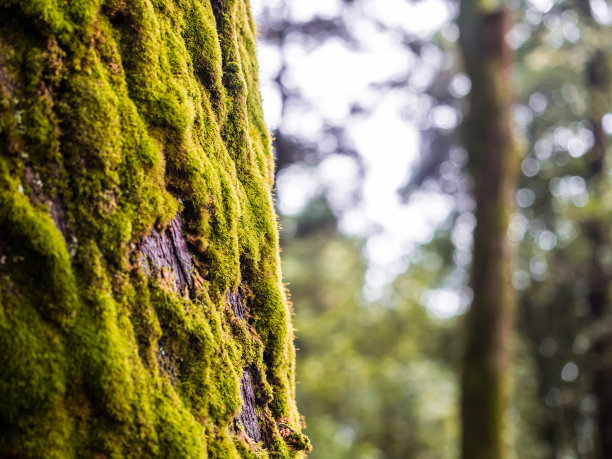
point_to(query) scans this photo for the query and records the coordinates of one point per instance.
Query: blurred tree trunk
(597, 230)
(142, 312)
(489, 325)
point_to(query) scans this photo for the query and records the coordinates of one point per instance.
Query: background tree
(492, 161)
(141, 306)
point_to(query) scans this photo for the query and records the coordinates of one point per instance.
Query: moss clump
(115, 116)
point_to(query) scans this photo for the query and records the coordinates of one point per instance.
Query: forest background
(365, 100)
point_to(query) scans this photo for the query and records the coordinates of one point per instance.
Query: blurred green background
(365, 100)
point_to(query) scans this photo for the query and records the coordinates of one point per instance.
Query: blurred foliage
(377, 378)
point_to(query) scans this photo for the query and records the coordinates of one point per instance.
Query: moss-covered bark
(489, 323)
(142, 312)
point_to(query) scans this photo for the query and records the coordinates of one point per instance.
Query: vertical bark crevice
(247, 417)
(248, 411)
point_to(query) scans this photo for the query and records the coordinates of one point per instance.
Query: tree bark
(142, 312)
(489, 325)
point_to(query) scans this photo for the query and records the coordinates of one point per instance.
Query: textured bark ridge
(166, 254)
(237, 304)
(248, 416)
(142, 310)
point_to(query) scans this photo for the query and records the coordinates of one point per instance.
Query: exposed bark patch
(248, 415)
(38, 196)
(58, 215)
(218, 6)
(237, 304)
(166, 254)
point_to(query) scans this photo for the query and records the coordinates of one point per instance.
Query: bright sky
(334, 77)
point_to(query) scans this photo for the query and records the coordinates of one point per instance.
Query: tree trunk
(142, 312)
(489, 322)
(597, 232)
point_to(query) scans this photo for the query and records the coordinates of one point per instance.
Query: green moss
(115, 116)
(35, 250)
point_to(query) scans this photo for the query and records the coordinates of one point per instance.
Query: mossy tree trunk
(489, 322)
(142, 312)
